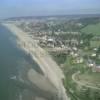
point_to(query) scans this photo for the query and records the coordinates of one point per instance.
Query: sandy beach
(51, 70)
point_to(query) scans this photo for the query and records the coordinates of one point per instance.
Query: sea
(12, 61)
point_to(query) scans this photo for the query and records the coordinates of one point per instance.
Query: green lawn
(95, 43)
(95, 29)
(93, 78)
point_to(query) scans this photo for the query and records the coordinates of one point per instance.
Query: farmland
(92, 28)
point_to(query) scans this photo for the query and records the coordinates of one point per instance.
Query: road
(86, 84)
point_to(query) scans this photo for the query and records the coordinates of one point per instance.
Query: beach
(52, 74)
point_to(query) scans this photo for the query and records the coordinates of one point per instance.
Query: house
(81, 42)
(95, 49)
(91, 63)
(75, 48)
(74, 42)
(50, 40)
(97, 68)
(76, 54)
(72, 53)
(79, 60)
(93, 55)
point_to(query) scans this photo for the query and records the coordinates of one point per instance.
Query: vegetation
(95, 44)
(75, 91)
(92, 28)
(59, 58)
(89, 21)
(89, 33)
(80, 39)
(90, 77)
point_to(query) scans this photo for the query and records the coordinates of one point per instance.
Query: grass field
(95, 29)
(95, 43)
(93, 78)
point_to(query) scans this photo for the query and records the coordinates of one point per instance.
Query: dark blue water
(12, 59)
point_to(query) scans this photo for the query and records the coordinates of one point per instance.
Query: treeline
(86, 21)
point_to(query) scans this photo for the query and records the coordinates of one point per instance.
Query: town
(75, 46)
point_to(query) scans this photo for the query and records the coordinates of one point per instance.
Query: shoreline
(51, 70)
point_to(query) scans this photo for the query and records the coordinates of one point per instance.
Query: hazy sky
(11, 8)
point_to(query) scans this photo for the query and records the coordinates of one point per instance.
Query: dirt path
(86, 84)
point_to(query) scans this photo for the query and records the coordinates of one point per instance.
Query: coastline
(51, 70)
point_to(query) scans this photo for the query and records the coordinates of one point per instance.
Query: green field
(95, 43)
(95, 29)
(93, 78)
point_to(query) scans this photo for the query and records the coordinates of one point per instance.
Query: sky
(17, 8)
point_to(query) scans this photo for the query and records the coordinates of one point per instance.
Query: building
(79, 60)
(97, 68)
